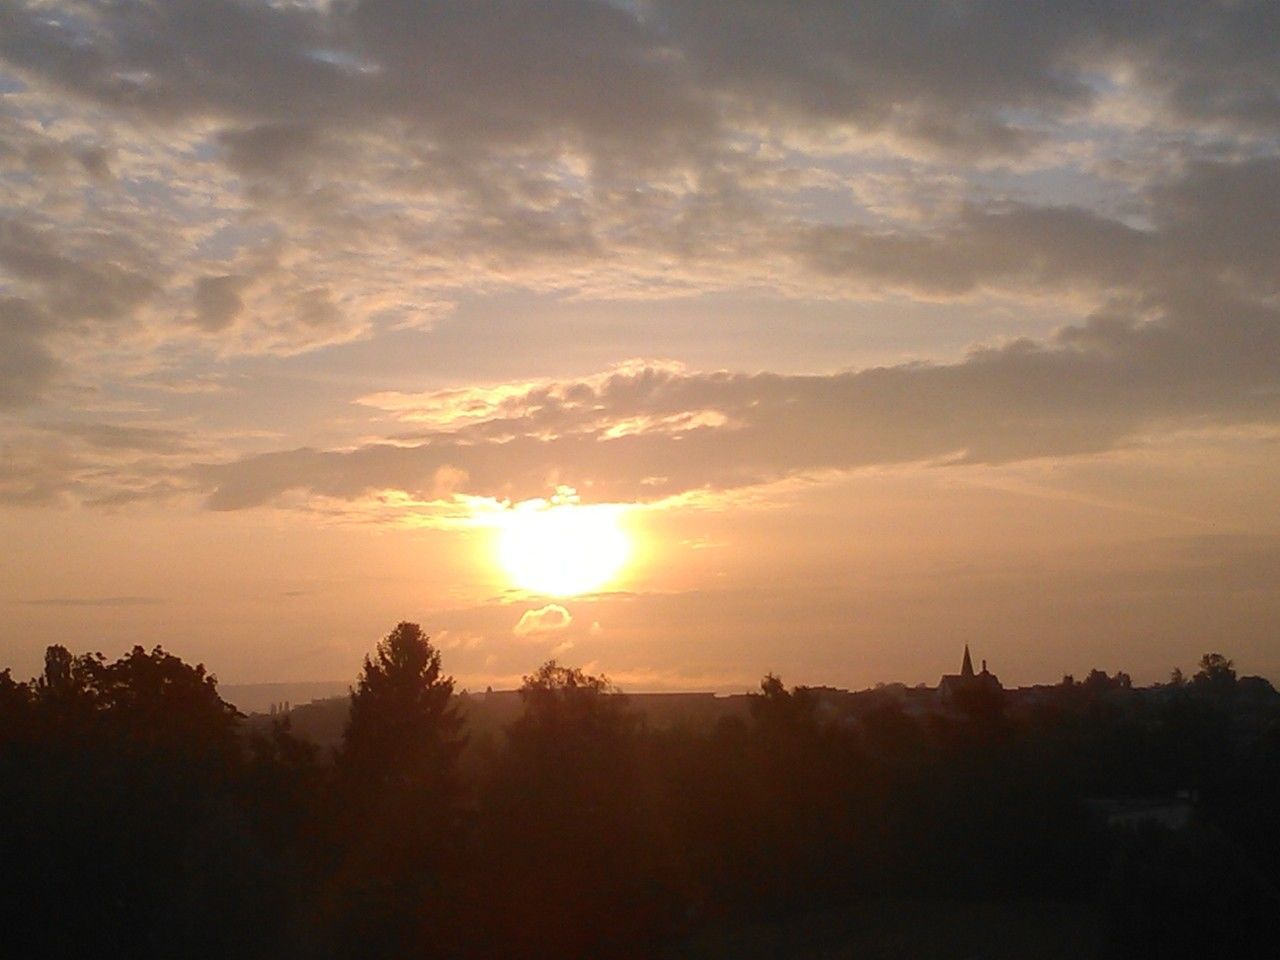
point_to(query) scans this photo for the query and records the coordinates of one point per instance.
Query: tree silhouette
(1216, 671)
(563, 697)
(571, 745)
(15, 710)
(560, 818)
(403, 730)
(127, 817)
(398, 795)
(145, 818)
(779, 712)
(156, 702)
(64, 692)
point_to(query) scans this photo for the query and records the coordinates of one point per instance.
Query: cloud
(458, 640)
(90, 286)
(109, 436)
(271, 148)
(647, 78)
(1191, 357)
(27, 364)
(94, 462)
(260, 175)
(551, 618)
(93, 602)
(218, 302)
(34, 472)
(204, 178)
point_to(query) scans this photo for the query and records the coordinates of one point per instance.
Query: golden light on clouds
(562, 548)
(856, 340)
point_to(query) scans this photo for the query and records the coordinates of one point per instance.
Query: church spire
(966, 670)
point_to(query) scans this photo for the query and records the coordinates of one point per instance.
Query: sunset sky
(683, 341)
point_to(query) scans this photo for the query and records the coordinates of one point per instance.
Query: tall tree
(404, 730)
(400, 818)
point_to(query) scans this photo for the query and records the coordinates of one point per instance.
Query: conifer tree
(403, 731)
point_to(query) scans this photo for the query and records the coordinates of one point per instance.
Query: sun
(562, 548)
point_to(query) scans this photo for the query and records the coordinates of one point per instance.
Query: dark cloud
(270, 147)
(1017, 246)
(108, 436)
(958, 74)
(218, 302)
(1222, 217)
(528, 144)
(555, 136)
(90, 287)
(59, 293)
(27, 366)
(1213, 225)
(653, 79)
(487, 74)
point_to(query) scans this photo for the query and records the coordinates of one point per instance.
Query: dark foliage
(399, 827)
(144, 817)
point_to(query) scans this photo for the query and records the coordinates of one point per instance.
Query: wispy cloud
(92, 602)
(551, 618)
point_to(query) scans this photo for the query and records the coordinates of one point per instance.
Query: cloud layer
(196, 187)
(1187, 333)
(224, 177)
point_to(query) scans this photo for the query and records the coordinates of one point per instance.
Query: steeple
(966, 669)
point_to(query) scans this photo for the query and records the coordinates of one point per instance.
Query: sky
(683, 341)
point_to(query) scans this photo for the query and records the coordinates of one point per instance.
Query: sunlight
(562, 548)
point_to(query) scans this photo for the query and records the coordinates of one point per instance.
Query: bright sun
(562, 548)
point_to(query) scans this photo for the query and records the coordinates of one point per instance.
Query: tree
(575, 733)
(15, 709)
(65, 693)
(154, 701)
(1097, 682)
(554, 696)
(403, 731)
(777, 711)
(399, 817)
(143, 703)
(560, 819)
(1215, 668)
(1216, 676)
(128, 807)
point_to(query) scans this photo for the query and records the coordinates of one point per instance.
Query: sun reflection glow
(562, 548)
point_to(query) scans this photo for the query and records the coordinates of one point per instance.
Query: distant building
(966, 681)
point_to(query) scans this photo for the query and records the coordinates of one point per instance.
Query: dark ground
(912, 930)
